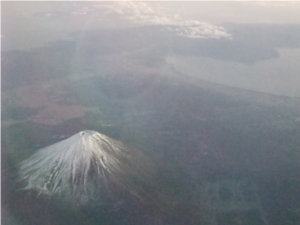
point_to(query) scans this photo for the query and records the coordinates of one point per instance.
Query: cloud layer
(143, 14)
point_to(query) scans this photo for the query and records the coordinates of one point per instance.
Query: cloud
(196, 29)
(143, 14)
(138, 13)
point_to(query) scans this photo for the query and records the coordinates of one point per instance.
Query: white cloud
(141, 13)
(196, 29)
